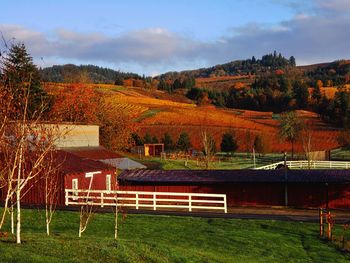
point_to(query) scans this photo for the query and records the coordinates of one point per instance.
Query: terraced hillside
(157, 112)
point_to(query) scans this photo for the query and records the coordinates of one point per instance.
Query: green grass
(147, 114)
(146, 238)
(341, 154)
(238, 161)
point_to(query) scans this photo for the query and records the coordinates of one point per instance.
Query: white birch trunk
(18, 230)
(12, 221)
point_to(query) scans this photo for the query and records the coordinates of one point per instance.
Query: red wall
(98, 181)
(305, 195)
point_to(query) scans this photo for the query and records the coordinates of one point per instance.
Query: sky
(156, 36)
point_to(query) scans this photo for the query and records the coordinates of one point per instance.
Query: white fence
(308, 165)
(141, 199)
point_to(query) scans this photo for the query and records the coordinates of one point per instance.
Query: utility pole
(285, 180)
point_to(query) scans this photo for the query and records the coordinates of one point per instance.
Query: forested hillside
(83, 74)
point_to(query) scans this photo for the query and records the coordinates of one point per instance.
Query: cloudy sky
(151, 37)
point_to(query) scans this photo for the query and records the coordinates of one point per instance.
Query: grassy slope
(145, 238)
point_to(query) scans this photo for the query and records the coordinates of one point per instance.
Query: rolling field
(152, 238)
(157, 112)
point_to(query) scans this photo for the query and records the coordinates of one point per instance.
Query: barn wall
(304, 195)
(34, 192)
(98, 182)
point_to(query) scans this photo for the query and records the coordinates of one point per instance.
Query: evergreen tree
(301, 94)
(184, 142)
(155, 139)
(137, 139)
(147, 138)
(177, 84)
(228, 143)
(168, 142)
(316, 93)
(22, 80)
(119, 81)
(292, 61)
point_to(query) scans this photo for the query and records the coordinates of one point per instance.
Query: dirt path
(281, 214)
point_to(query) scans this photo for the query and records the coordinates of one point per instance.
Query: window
(108, 182)
(75, 188)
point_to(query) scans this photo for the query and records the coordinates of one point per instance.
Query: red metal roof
(235, 176)
(71, 163)
(94, 153)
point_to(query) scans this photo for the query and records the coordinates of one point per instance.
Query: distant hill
(267, 63)
(83, 74)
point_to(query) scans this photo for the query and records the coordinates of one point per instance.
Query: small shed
(153, 149)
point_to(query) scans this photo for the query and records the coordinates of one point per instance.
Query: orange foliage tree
(75, 103)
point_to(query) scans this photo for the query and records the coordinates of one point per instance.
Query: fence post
(154, 202)
(190, 203)
(329, 230)
(225, 204)
(321, 221)
(137, 201)
(66, 196)
(101, 199)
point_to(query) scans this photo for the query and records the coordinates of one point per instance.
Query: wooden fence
(308, 165)
(148, 200)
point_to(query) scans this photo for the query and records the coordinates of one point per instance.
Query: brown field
(157, 115)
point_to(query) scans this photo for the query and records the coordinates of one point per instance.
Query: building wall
(76, 135)
(98, 181)
(306, 195)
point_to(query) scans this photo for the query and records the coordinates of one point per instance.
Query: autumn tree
(262, 144)
(116, 126)
(290, 128)
(75, 103)
(25, 141)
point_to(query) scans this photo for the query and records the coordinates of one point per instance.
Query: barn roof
(123, 163)
(235, 176)
(94, 153)
(71, 163)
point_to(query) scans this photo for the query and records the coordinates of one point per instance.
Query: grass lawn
(149, 238)
(341, 154)
(238, 161)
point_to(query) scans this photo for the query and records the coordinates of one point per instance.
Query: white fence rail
(308, 165)
(142, 199)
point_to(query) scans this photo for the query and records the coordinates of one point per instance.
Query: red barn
(74, 172)
(305, 188)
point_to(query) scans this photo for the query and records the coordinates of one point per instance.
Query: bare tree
(208, 144)
(51, 188)
(86, 208)
(25, 142)
(307, 142)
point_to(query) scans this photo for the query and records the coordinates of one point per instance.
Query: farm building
(149, 149)
(103, 155)
(74, 173)
(306, 188)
